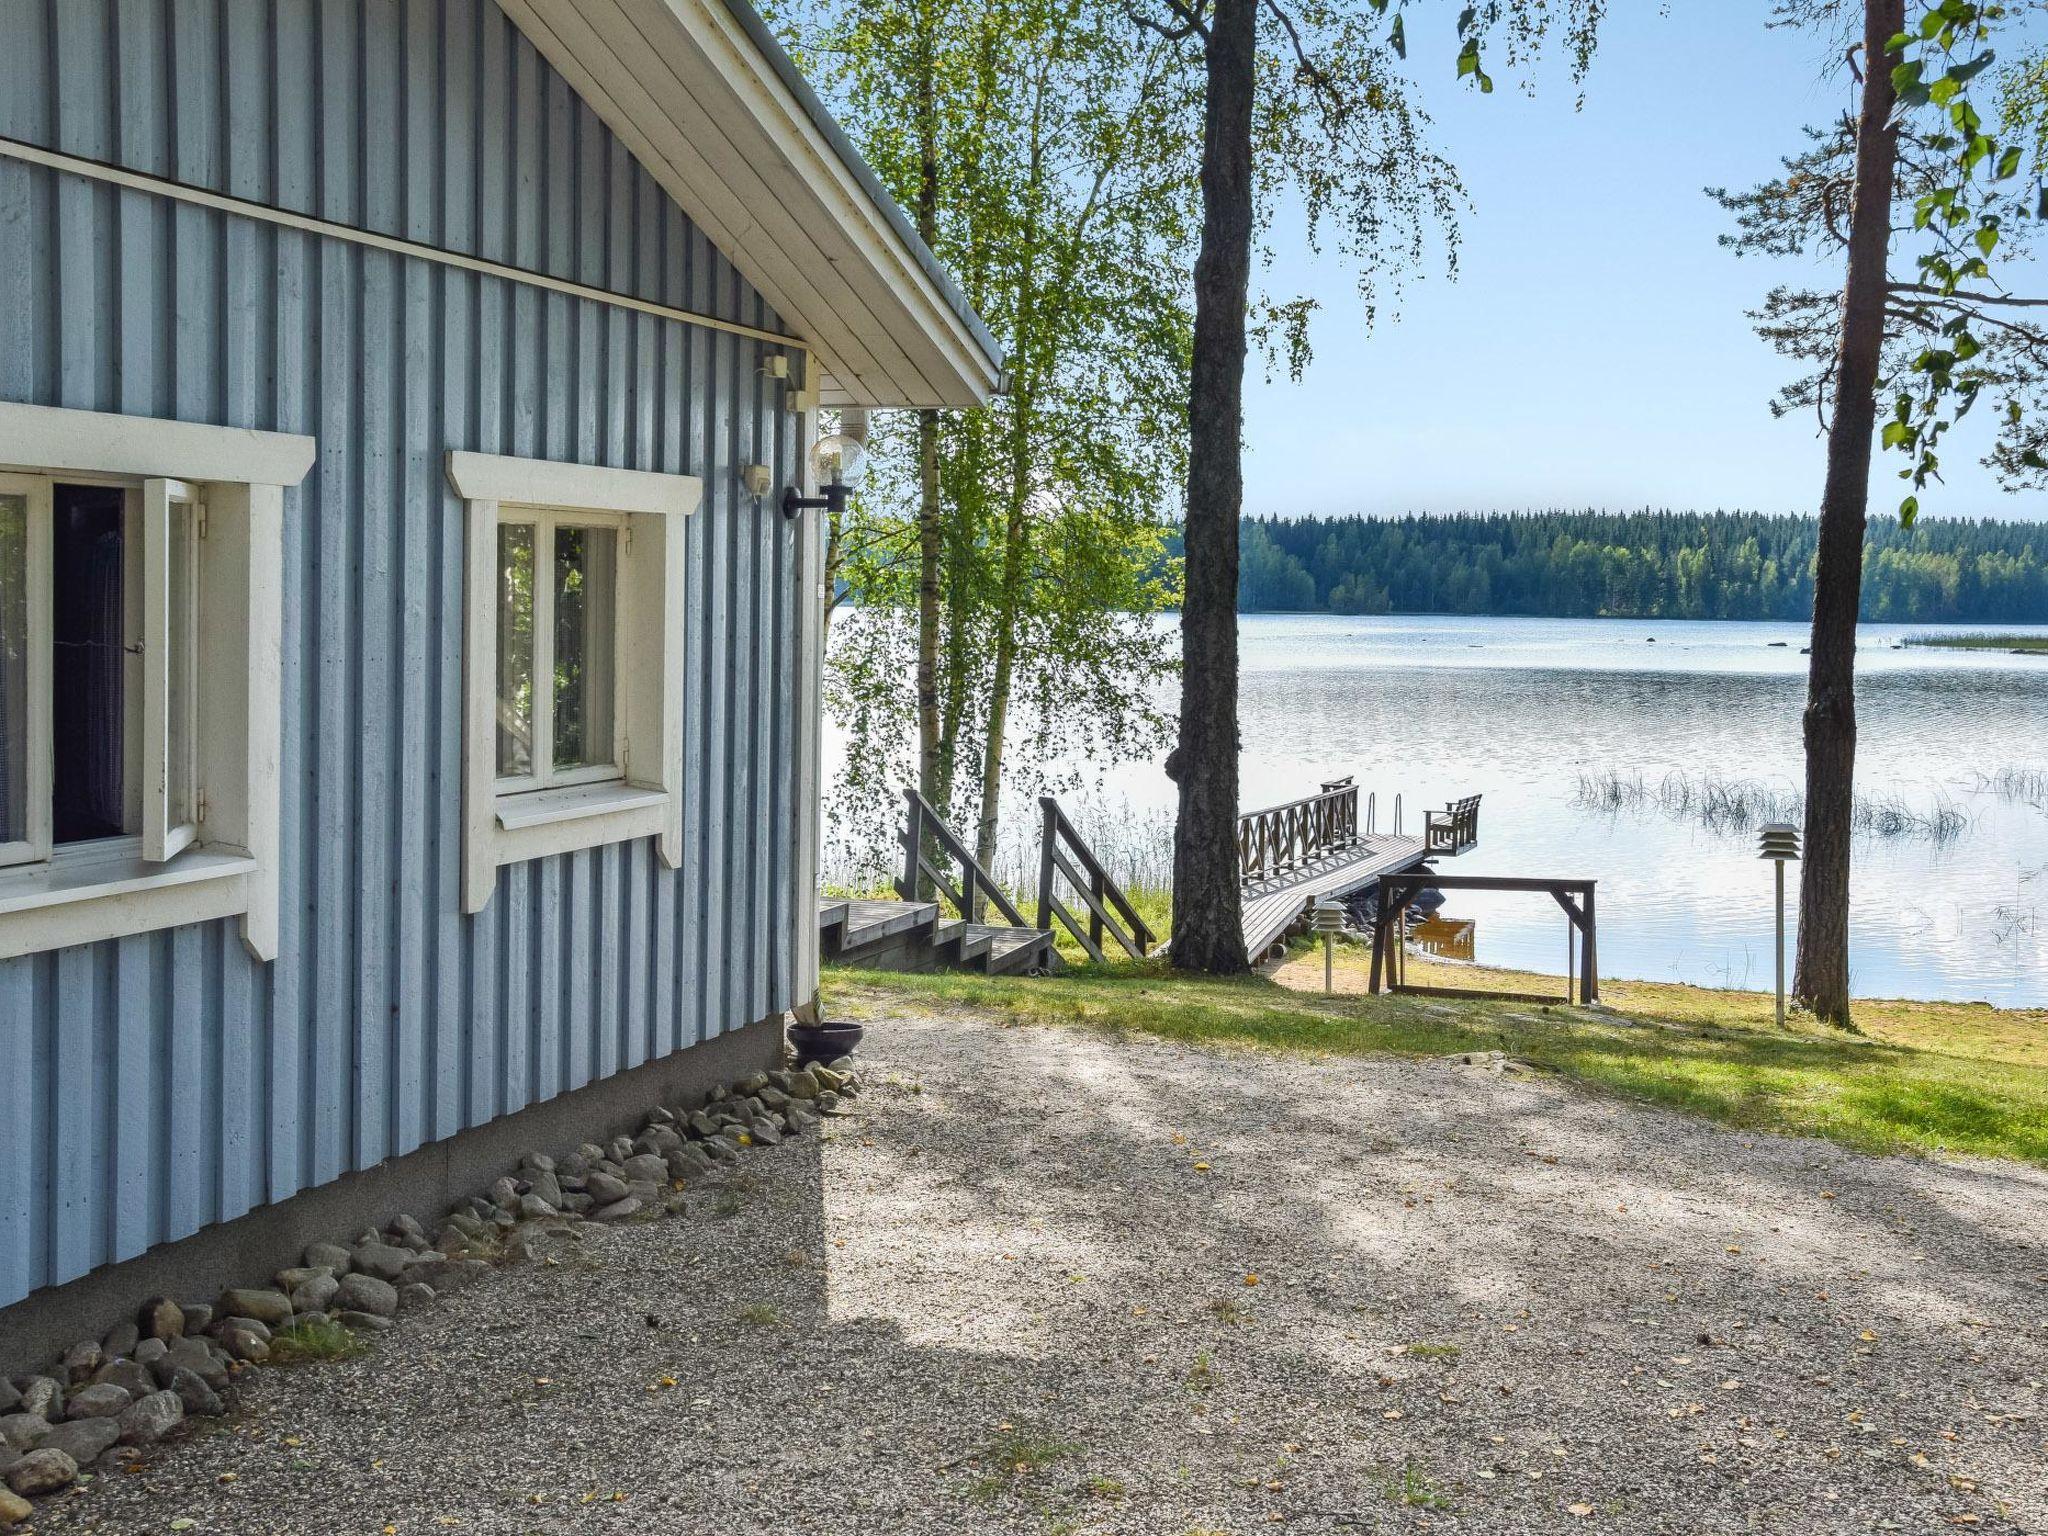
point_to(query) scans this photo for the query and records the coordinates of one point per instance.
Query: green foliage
(307, 1341)
(1052, 162)
(1014, 1459)
(1953, 332)
(1735, 565)
(1269, 580)
(1413, 1488)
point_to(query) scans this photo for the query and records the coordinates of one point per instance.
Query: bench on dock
(1454, 829)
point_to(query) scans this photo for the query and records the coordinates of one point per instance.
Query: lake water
(1520, 710)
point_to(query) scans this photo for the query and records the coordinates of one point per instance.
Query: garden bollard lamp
(1328, 920)
(1780, 844)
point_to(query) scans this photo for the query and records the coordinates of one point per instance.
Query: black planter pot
(823, 1042)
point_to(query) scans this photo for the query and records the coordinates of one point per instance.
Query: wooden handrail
(1278, 839)
(976, 884)
(1091, 882)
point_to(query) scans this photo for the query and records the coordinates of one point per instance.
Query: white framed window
(140, 633)
(561, 717)
(573, 660)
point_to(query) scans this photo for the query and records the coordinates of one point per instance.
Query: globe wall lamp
(837, 460)
(1780, 844)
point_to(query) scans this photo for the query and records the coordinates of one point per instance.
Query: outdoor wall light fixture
(836, 464)
(1780, 844)
(1327, 918)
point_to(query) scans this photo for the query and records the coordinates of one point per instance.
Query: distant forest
(1647, 565)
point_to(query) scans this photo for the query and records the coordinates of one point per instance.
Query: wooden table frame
(1389, 953)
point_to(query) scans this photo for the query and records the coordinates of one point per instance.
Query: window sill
(83, 895)
(544, 822)
(551, 807)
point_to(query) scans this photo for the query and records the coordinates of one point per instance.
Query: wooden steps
(917, 936)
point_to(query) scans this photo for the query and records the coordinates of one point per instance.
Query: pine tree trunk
(1821, 980)
(1208, 909)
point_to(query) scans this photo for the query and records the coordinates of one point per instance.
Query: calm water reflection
(1519, 709)
(1432, 708)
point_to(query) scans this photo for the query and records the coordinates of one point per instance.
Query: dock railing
(1284, 837)
(1062, 852)
(928, 828)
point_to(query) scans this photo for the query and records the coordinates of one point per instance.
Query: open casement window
(573, 660)
(24, 669)
(140, 675)
(173, 518)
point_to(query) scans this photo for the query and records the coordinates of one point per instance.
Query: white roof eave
(699, 91)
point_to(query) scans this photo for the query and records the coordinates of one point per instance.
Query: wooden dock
(1292, 856)
(1274, 905)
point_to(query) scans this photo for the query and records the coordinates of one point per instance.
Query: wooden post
(1589, 956)
(1046, 846)
(912, 842)
(1379, 940)
(1571, 942)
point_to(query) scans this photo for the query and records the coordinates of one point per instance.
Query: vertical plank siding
(155, 1084)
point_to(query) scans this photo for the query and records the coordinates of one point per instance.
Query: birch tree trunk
(930, 532)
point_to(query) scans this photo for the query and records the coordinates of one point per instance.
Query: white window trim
(501, 829)
(96, 891)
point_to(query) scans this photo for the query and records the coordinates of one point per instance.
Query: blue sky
(1593, 350)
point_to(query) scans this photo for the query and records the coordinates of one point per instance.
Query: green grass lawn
(1921, 1077)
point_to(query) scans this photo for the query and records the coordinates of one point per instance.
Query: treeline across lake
(1649, 565)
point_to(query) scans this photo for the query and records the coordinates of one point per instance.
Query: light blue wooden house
(409, 679)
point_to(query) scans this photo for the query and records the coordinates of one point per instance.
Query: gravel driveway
(1053, 1281)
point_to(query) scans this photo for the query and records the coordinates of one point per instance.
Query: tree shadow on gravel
(1054, 1282)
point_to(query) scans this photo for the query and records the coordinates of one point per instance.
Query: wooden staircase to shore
(912, 934)
(1289, 857)
(918, 936)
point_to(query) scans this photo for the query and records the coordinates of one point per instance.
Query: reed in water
(1736, 806)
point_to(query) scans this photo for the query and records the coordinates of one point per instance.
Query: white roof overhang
(702, 94)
